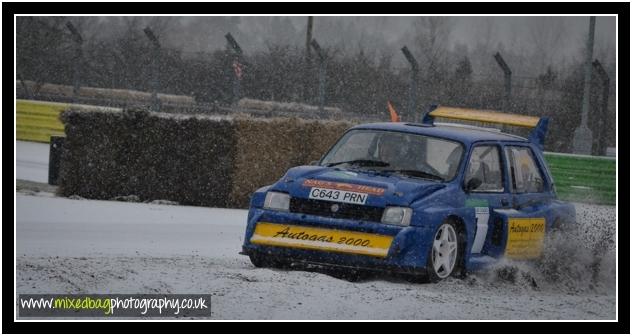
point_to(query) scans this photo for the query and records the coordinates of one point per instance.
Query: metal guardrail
(38, 121)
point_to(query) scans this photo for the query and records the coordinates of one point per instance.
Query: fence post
(237, 66)
(507, 74)
(582, 138)
(602, 121)
(155, 103)
(412, 87)
(78, 40)
(308, 60)
(321, 76)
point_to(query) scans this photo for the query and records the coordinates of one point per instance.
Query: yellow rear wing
(489, 116)
(539, 124)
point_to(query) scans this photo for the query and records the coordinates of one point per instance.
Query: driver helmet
(392, 148)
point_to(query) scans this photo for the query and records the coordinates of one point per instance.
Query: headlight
(277, 201)
(397, 216)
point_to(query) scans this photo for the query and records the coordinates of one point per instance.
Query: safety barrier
(37, 121)
(243, 152)
(583, 178)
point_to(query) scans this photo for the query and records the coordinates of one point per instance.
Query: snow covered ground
(31, 161)
(84, 246)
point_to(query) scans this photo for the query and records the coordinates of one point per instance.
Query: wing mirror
(472, 184)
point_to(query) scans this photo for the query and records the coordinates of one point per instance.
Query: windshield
(395, 152)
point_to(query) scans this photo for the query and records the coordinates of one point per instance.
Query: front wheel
(265, 261)
(445, 253)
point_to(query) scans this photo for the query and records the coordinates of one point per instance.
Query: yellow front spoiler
(311, 238)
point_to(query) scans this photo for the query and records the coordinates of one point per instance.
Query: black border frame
(623, 11)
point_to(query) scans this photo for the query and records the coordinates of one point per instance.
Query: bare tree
(431, 37)
(487, 33)
(546, 35)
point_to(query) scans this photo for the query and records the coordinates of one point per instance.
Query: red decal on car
(344, 186)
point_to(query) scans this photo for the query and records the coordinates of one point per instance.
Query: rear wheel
(445, 254)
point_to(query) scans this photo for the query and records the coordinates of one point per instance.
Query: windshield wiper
(361, 163)
(415, 173)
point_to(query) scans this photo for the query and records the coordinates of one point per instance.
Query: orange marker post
(391, 109)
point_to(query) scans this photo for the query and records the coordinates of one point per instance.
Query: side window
(523, 171)
(484, 164)
(443, 156)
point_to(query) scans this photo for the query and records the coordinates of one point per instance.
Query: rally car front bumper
(390, 248)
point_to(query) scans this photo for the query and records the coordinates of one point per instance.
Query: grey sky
(556, 40)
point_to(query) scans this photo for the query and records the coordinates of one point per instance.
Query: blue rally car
(430, 199)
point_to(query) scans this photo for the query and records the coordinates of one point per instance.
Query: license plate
(305, 237)
(338, 195)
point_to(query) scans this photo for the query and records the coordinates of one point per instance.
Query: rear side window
(485, 165)
(524, 174)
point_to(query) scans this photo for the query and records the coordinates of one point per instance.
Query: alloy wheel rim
(444, 250)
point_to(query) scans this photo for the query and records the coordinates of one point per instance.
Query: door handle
(504, 202)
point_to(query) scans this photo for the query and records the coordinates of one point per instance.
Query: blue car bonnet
(398, 190)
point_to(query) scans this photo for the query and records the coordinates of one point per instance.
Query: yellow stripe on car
(285, 235)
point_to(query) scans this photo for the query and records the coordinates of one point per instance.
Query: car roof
(462, 133)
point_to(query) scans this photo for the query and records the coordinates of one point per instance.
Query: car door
(528, 183)
(530, 197)
(486, 164)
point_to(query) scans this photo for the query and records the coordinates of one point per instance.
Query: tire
(417, 278)
(256, 260)
(266, 261)
(446, 254)
(349, 275)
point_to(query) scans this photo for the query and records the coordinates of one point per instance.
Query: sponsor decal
(344, 186)
(525, 238)
(476, 202)
(304, 237)
(482, 221)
